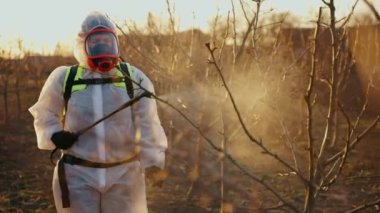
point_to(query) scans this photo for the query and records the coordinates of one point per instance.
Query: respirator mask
(101, 49)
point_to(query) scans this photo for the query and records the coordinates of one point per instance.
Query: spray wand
(123, 106)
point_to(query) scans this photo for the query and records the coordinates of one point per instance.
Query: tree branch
(364, 206)
(373, 9)
(309, 198)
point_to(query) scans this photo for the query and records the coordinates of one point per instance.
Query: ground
(25, 179)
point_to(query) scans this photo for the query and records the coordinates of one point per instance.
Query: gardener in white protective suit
(101, 170)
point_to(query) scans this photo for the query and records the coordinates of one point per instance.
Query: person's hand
(156, 176)
(64, 139)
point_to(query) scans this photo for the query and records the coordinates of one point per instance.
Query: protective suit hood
(97, 43)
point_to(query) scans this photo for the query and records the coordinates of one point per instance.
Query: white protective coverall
(109, 190)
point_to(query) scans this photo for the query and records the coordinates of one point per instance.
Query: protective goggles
(100, 43)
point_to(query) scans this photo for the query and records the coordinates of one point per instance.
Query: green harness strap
(74, 80)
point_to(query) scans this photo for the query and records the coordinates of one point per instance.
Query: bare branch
(355, 127)
(350, 15)
(148, 59)
(261, 181)
(355, 142)
(274, 23)
(244, 12)
(309, 200)
(345, 150)
(254, 36)
(373, 9)
(289, 140)
(234, 31)
(171, 11)
(364, 206)
(326, 3)
(245, 37)
(333, 79)
(224, 37)
(171, 16)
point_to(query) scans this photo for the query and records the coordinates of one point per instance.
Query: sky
(43, 23)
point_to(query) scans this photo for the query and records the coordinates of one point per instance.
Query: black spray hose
(125, 105)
